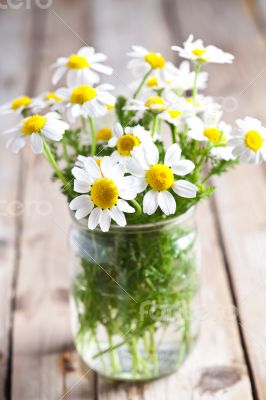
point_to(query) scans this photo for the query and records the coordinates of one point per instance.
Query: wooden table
(37, 358)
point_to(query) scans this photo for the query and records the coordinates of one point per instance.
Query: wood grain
(13, 82)
(44, 364)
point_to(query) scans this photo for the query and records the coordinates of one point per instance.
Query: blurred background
(34, 217)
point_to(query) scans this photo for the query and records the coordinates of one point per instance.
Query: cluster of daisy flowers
(111, 156)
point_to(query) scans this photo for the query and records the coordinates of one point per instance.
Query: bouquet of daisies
(123, 172)
(136, 161)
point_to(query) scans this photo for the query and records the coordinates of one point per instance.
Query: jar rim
(129, 228)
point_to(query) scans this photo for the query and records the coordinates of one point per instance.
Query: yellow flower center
(109, 107)
(20, 102)
(155, 60)
(33, 124)
(104, 134)
(126, 143)
(199, 53)
(77, 62)
(155, 101)
(104, 193)
(54, 97)
(253, 140)
(174, 113)
(160, 177)
(152, 82)
(82, 94)
(214, 135)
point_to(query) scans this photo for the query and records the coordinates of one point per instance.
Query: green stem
(194, 90)
(65, 152)
(142, 83)
(99, 350)
(206, 178)
(137, 206)
(49, 156)
(93, 136)
(153, 348)
(174, 133)
(115, 363)
(136, 357)
(154, 125)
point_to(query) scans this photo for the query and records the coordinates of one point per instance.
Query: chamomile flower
(53, 101)
(192, 107)
(127, 140)
(168, 78)
(103, 126)
(249, 141)
(105, 191)
(185, 78)
(32, 128)
(82, 68)
(160, 178)
(213, 130)
(156, 104)
(86, 100)
(175, 113)
(197, 52)
(144, 61)
(22, 104)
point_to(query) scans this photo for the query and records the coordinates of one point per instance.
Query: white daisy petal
(124, 206)
(80, 202)
(151, 154)
(183, 167)
(117, 130)
(185, 189)
(94, 218)
(118, 216)
(92, 168)
(83, 211)
(105, 220)
(135, 168)
(102, 68)
(16, 144)
(36, 143)
(81, 175)
(81, 186)
(150, 202)
(172, 155)
(106, 166)
(166, 202)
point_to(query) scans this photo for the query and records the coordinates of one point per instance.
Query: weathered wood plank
(216, 369)
(44, 364)
(15, 28)
(241, 195)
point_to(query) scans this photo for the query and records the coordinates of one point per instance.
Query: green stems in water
(142, 83)
(93, 136)
(194, 90)
(50, 158)
(115, 363)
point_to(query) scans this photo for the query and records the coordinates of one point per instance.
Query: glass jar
(134, 297)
